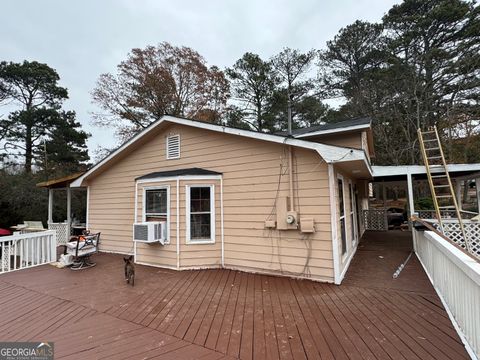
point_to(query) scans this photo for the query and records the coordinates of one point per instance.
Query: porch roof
(391, 173)
(62, 182)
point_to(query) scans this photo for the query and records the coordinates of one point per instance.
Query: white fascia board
(333, 131)
(379, 171)
(348, 155)
(329, 153)
(180, 177)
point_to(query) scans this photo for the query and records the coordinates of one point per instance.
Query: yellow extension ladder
(439, 180)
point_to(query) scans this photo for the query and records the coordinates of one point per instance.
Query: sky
(83, 39)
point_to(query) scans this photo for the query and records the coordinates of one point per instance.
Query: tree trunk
(428, 90)
(259, 116)
(28, 149)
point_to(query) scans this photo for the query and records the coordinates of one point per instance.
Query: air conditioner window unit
(150, 232)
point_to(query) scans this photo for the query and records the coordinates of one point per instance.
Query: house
(235, 198)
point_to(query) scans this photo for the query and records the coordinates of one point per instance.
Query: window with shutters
(173, 147)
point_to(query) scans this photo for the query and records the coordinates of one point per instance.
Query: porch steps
(445, 200)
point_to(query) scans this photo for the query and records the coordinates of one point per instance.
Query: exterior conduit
(290, 177)
(178, 223)
(221, 220)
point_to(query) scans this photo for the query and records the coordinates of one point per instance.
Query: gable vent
(173, 147)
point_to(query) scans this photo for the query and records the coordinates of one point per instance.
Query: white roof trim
(332, 131)
(330, 153)
(180, 177)
(379, 171)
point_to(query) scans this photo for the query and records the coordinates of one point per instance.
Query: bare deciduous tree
(158, 80)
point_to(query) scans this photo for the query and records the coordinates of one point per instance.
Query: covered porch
(404, 189)
(413, 180)
(65, 221)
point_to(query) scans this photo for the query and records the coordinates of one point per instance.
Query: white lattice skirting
(62, 230)
(451, 229)
(375, 219)
(6, 253)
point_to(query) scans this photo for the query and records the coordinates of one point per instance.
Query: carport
(413, 180)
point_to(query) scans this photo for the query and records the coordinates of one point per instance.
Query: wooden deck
(214, 314)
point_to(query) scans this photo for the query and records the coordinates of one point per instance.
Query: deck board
(220, 314)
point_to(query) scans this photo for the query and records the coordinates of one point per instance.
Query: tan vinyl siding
(251, 182)
(351, 140)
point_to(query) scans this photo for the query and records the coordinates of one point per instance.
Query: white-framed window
(200, 214)
(342, 222)
(156, 205)
(173, 147)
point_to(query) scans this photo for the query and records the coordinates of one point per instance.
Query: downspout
(178, 223)
(221, 219)
(135, 220)
(87, 225)
(69, 209)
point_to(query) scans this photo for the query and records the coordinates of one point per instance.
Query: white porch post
(477, 190)
(411, 203)
(458, 192)
(384, 195)
(50, 206)
(69, 209)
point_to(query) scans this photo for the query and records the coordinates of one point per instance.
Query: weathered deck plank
(216, 314)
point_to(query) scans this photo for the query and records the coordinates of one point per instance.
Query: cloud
(83, 39)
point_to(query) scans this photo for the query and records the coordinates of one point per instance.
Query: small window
(200, 214)
(156, 205)
(173, 147)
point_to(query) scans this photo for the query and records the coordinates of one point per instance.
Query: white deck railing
(432, 214)
(27, 250)
(455, 275)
